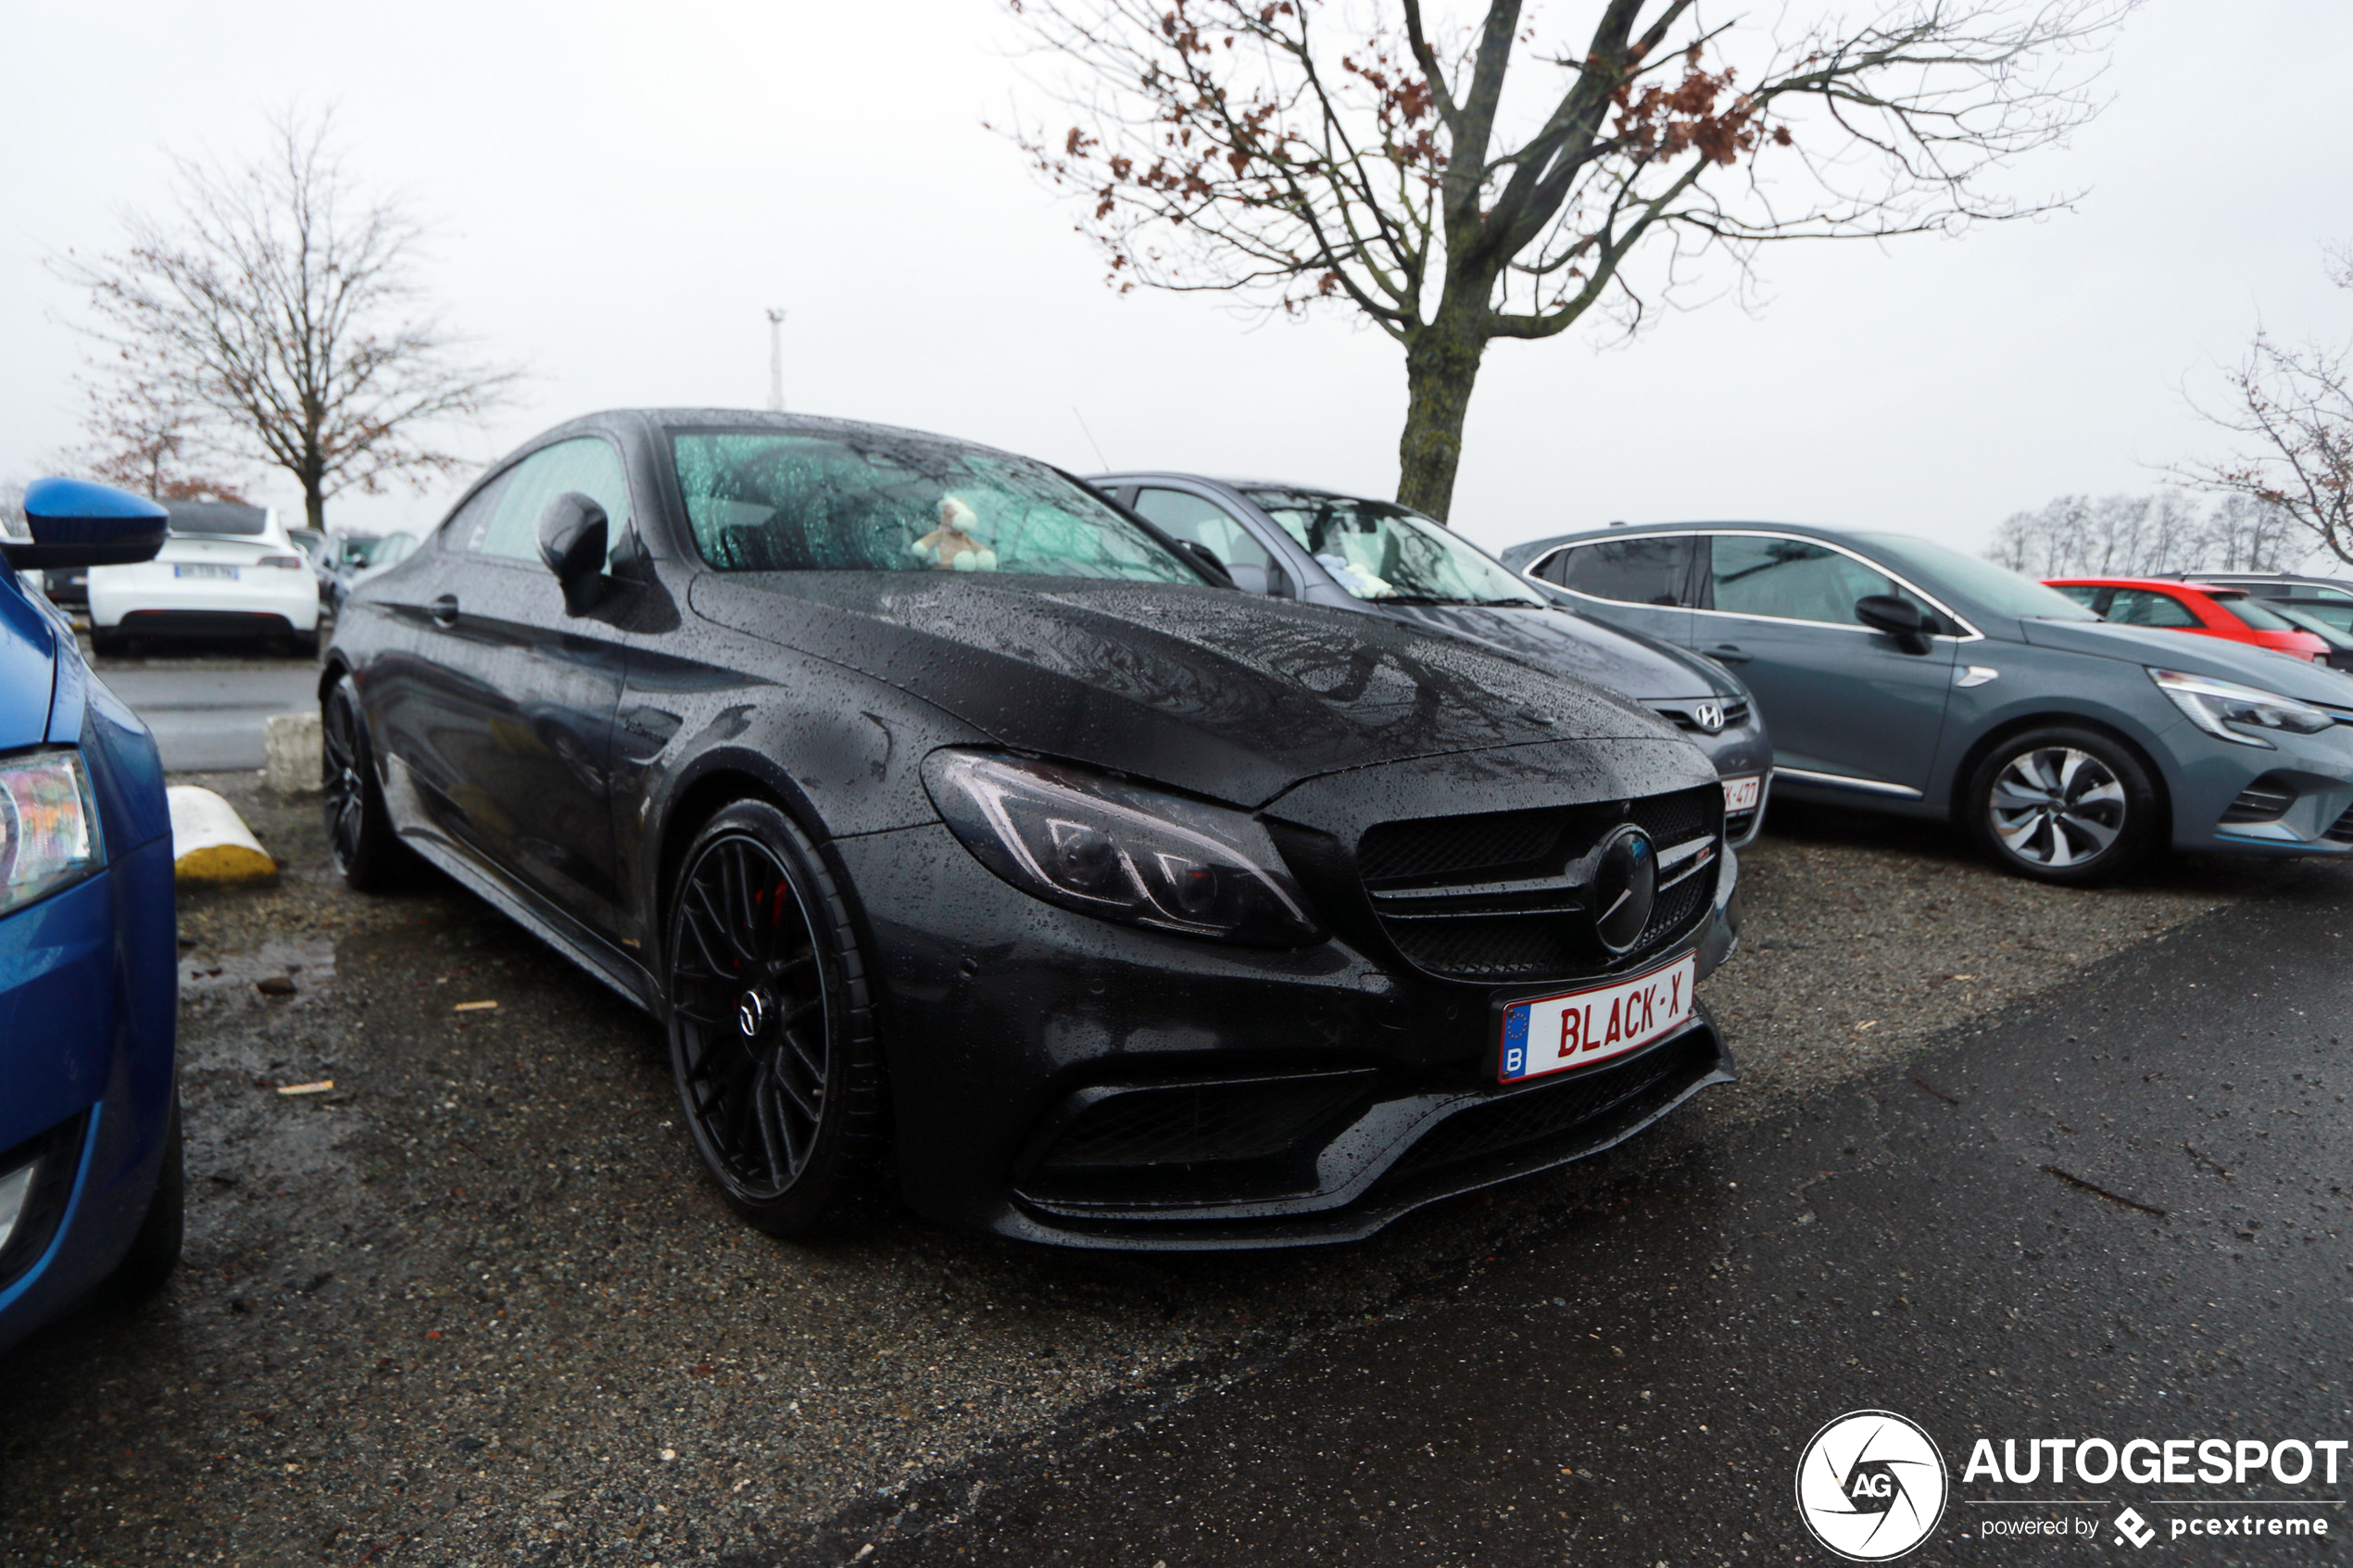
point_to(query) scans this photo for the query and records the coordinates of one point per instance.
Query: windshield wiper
(1441, 600)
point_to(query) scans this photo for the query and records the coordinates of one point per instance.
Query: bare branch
(279, 310)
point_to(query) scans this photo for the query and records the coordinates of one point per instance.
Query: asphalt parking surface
(2120, 1211)
(209, 711)
(475, 1303)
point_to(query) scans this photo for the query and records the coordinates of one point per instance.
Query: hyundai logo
(1708, 716)
(1625, 886)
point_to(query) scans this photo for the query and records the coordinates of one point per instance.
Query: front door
(1847, 705)
(512, 742)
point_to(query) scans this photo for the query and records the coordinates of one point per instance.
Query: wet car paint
(556, 763)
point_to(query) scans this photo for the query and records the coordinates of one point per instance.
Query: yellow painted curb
(211, 846)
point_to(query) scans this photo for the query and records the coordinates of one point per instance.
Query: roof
(2216, 590)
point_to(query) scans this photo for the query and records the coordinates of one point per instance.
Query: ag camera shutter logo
(1872, 1485)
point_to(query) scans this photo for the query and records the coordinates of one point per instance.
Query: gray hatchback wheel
(2063, 805)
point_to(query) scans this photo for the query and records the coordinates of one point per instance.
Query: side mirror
(1900, 619)
(76, 523)
(571, 541)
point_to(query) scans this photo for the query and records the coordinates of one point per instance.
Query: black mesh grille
(1459, 844)
(2265, 800)
(1490, 934)
(1530, 1115)
(1187, 1123)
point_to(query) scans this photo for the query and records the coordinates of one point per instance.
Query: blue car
(91, 1188)
(1902, 676)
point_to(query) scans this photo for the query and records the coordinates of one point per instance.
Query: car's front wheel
(2064, 804)
(772, 1022)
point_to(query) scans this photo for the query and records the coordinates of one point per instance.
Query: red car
(2228, 613)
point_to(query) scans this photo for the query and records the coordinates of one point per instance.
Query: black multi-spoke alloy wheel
(771, 1026)
(2064, 805)
(360, 832)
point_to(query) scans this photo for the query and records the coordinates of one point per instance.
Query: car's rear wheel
(2064, 805)
(771, 1023)
(360, 832)
(105, 641)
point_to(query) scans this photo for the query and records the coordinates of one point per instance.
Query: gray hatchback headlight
(1119, 851)
(2231, 710)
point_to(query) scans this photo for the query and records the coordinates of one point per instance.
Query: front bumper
(87, 1005)
(2295, 798)
(1061, 1079)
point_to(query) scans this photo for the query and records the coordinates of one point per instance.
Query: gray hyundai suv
(1903, 676)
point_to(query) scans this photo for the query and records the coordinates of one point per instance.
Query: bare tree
(285, 304)
(1405, 171)
(2145, 537)
(145, 433)
(2293, 405)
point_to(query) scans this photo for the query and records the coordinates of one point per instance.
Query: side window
(466, 523)
(1204, 522)
(2139, 606)
(510, 528)
(1795, 580)
(1637, 571)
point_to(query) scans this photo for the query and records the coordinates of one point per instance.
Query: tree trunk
(313, 475)
(1442, 366)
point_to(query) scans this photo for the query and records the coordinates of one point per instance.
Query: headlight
(49, 831)
(2229, 710)
(1120, 852)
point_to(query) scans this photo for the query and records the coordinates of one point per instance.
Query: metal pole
(775, 361)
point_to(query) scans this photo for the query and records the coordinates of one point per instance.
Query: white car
(228, 569)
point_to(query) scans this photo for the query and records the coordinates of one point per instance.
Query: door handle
(443, 611)
(1728, 653)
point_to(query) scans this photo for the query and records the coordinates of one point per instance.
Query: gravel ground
(475, 1304)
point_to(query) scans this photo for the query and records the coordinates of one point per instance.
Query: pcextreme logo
(1870, 1485)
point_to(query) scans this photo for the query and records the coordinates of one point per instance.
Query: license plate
(1554, 1034)
(1740, 795)
(228, 571)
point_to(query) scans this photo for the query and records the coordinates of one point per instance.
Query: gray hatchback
(1902, 675)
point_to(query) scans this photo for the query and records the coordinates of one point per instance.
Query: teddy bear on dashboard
(951, 546)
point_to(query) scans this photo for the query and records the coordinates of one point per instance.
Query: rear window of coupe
(776, 501)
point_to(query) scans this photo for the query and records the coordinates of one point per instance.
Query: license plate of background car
(228, 571)
(1545, 1034)
(1740, 795)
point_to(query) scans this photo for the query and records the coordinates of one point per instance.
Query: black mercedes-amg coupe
(968, 834)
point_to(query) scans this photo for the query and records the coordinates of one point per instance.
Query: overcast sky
(618, 193)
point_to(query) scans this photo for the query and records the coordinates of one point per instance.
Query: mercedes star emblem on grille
(1624, 885)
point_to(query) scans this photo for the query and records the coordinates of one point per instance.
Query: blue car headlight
(48, 828)
(1120, 852)
(2233, 711)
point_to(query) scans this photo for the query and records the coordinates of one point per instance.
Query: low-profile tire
(304, 644)
(2064, 804)
(360, 832)
(107, 642)
(155, 1251)
(771, 1023)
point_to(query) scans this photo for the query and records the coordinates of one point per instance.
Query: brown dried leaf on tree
(283, 306)
(1408, 169)
(141, 431)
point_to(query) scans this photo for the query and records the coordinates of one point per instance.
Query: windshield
(773, 501)
(2296, 616)
(2250, 614)
(1379, 550)
(372, 550)
(1996, 587)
